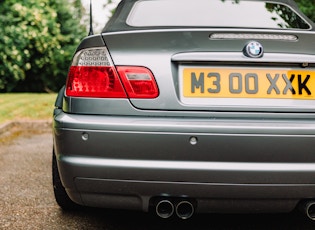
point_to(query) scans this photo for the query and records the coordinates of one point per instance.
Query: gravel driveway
(27, 202)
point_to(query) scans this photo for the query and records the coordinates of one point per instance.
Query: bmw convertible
(181, 107)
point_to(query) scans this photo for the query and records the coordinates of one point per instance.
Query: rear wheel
(62, 198)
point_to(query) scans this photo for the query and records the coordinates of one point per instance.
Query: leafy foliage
(37, 43)
(307, 7)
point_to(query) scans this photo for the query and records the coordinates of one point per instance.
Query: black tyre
(61, 196)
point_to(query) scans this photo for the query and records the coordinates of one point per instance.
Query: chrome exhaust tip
(184, 210)
(164, 209)
(310, 210)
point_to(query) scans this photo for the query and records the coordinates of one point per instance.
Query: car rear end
(187, 116)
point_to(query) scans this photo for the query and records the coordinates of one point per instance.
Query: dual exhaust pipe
(309, 209)
(184, 209)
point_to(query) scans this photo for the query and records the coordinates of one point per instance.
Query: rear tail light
(92, 74)
(138, 81)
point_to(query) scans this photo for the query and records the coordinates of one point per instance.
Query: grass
(26, 106)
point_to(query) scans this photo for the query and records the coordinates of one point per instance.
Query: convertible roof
(118, 20)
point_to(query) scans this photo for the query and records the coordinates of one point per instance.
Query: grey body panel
(169, 50)
(157, 158)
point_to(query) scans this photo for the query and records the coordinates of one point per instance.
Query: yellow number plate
(248, 83)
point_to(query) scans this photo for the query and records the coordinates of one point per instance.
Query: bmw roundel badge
(254, 49)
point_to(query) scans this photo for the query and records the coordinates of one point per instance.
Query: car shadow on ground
(93, 218)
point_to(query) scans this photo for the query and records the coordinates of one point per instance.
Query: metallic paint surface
(248, 155)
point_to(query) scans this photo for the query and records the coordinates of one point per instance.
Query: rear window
(215, 13)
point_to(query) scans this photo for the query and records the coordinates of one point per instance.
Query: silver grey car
(184, 106)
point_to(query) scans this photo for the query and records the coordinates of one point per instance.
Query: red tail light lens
(94, 81)
(93, 74)
(139, 82)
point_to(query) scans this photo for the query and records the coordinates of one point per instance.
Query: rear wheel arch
(61, 196)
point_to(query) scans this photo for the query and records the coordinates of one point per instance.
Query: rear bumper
(229, 165)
